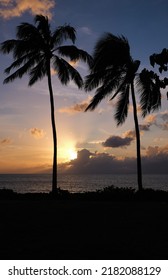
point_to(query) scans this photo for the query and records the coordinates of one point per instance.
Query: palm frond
(20, 72)
(38, 72)
(149, 88)
(97, 98)
(19, 48)
(66, 72)
(94, 80)
(110, 50)
(103, 91)
(75, 54)
(43, 27)
(128, 77)
(74, 75)
(8, 46)
(122, 105)
(61, 69)
(103, 76)
(17, 63)
(27, 31)
(62, 33)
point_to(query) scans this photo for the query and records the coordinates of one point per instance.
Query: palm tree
(113, 72)
(35, 50)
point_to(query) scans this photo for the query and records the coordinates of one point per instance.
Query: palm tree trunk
(54, 170)
(139, 168)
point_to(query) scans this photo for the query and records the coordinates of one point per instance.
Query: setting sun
(72, 154)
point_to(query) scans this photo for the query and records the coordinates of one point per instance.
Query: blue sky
(25, 130)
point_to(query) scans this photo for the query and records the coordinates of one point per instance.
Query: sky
(93, 137)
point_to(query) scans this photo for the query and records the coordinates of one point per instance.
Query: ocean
(23, 183)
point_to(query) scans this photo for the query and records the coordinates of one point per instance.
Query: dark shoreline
(112, 225)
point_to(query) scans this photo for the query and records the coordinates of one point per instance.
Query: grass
(110, 224)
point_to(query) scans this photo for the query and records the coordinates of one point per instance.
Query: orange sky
(25, 126)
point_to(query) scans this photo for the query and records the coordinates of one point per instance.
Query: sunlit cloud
(15, 8)
(130, 134)
(77, 108)
(139, 111)
(155, 161)
(73, 63)
(37, 133)
(151, 119)
(53, 72)
(5, 141)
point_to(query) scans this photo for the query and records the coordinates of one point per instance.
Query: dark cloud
(155, 162)
(144, 127)
(117, 142)
(164, 126)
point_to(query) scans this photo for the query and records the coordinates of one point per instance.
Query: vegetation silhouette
(152, 84)
(35, 50)
(114, 72)
(161, 59)
(109, 224)
(111, 193)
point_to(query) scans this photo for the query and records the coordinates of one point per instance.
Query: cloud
(5, 141)
(144, 127)
(89, 163)
(155, 162)
(164, 126)
(37, 133)
(164, 115)
(155, 120)
(88, 145)
(156, 150)
(15, 8)
(130, 134)
(151, 119)
(78, 107)
(117, 142)
(85, 30)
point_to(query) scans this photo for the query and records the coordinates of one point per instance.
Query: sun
(72, 154)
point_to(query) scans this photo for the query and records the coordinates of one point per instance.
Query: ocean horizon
(23, 183)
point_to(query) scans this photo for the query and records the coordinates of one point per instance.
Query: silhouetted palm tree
(113, 72)
(34, 50)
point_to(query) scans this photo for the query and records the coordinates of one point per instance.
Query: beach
(37, 228)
